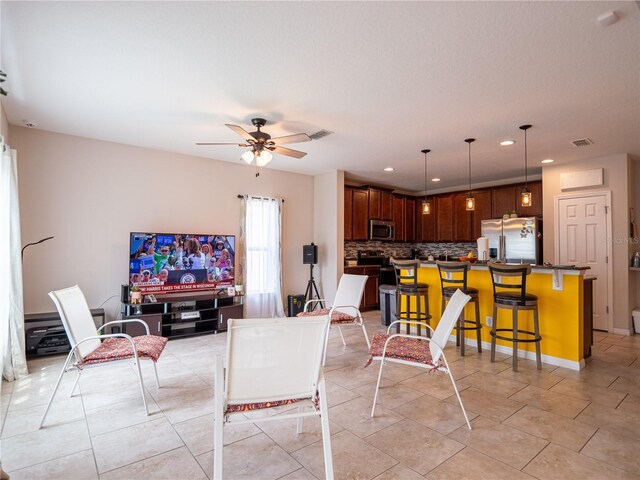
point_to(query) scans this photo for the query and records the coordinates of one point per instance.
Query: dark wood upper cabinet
(399, 217)
(375, 199)
(535, 210)
(410, 220)
(348, 213)
(483, 211)
(426, 224)
(462, 219)
(360, 214)
(504, 200)
(387, 205)
(444, 218)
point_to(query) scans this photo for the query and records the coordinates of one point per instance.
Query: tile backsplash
(400, 250)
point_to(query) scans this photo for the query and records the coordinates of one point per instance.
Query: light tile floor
(553, 424)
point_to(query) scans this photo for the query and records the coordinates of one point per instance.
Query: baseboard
(622, 331)
(548, 359)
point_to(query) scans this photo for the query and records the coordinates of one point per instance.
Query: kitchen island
(561, 308)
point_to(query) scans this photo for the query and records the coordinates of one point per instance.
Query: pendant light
(426, 206)
(525, 194)
(470, 202)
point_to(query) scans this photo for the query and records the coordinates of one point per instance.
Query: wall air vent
(320, 134)
(582, 142)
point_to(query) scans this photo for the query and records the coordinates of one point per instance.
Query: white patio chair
(346, 306)
(91, 348)
(272, 362)
(420, 351)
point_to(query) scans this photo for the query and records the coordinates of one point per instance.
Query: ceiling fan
(262, 144)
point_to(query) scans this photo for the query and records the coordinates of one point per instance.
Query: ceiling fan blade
(241, 131)
(297, 138)
(236, 144)
(288, 152)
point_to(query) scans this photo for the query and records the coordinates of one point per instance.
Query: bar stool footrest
(516, 340)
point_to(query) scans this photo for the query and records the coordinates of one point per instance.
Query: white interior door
(582, 235)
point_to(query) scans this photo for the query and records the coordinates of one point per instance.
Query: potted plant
(135, 295)
(239, 287)
(514, 214)
(505, 216)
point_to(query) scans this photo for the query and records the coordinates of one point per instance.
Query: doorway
(583, 225)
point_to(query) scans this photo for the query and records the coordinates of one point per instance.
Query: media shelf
(183, 315)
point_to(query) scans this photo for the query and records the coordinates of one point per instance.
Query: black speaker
(310, 254)
(124, 293)
(296, 305)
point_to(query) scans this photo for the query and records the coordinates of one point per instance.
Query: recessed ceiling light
(548, 160)
(507, 142)
(388, 169)
(435, 179)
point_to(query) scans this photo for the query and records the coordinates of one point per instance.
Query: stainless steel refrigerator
(516, 240)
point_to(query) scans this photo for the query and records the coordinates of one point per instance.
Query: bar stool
(408, 288)
(515, 300)
(453, 276)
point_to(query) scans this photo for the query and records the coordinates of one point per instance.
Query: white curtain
(14, 363)
(261, 233)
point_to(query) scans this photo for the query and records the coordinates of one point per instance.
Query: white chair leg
(55, 389)
(375, 397)
(326, 435)
(155, 369)
(455, 388)
(300, 420)
(218, 425)
(366, 337)
(75, 384)
(144, 400)
(341, 336)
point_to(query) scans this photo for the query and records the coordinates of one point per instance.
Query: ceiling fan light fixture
(263, 158)
(247, 157)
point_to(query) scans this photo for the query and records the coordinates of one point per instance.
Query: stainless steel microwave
(382, 230)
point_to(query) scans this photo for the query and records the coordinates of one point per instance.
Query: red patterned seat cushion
(402, 348)
(247, 407)
(337, 317)
(119, 348)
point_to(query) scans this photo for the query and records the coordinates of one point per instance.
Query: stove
(377, 257)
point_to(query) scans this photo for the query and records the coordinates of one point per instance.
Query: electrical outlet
(489, 321)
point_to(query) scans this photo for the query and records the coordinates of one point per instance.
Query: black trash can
(387, 304)
(296, 305)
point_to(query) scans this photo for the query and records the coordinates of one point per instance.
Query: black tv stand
(184, 314)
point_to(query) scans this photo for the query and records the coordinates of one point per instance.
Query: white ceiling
(389, 78)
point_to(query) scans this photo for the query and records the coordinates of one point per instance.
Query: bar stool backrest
(453, 274)
(410, 269)
(499, 271)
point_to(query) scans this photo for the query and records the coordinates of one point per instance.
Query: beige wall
(328, 216)
(616, 175)
(90, 194)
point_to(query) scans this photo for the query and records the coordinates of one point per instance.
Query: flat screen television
(170, 262)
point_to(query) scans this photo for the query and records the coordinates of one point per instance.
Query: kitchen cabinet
(504, 200)
(399, 217)
(360, 216)
(462, 219)
(375, 207)
(370, 297)
(387, 205)
(535, 210)
(444, 218)
(348, 213)
(426, 224)
(410, 220)
(483, 211)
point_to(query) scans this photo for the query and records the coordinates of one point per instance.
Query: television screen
(168, 262)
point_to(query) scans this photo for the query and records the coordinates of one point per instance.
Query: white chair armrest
(357, 310)
(309, 302)
(411, 323)
(131, 320)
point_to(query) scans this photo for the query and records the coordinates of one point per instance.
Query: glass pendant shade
(263, 157)
(470, 202)
(247, 157)
(525, 194)
(426, 207)
(525, 197)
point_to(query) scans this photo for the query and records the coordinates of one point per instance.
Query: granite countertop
(534, 267)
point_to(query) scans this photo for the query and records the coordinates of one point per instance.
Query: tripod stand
(312, 287)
